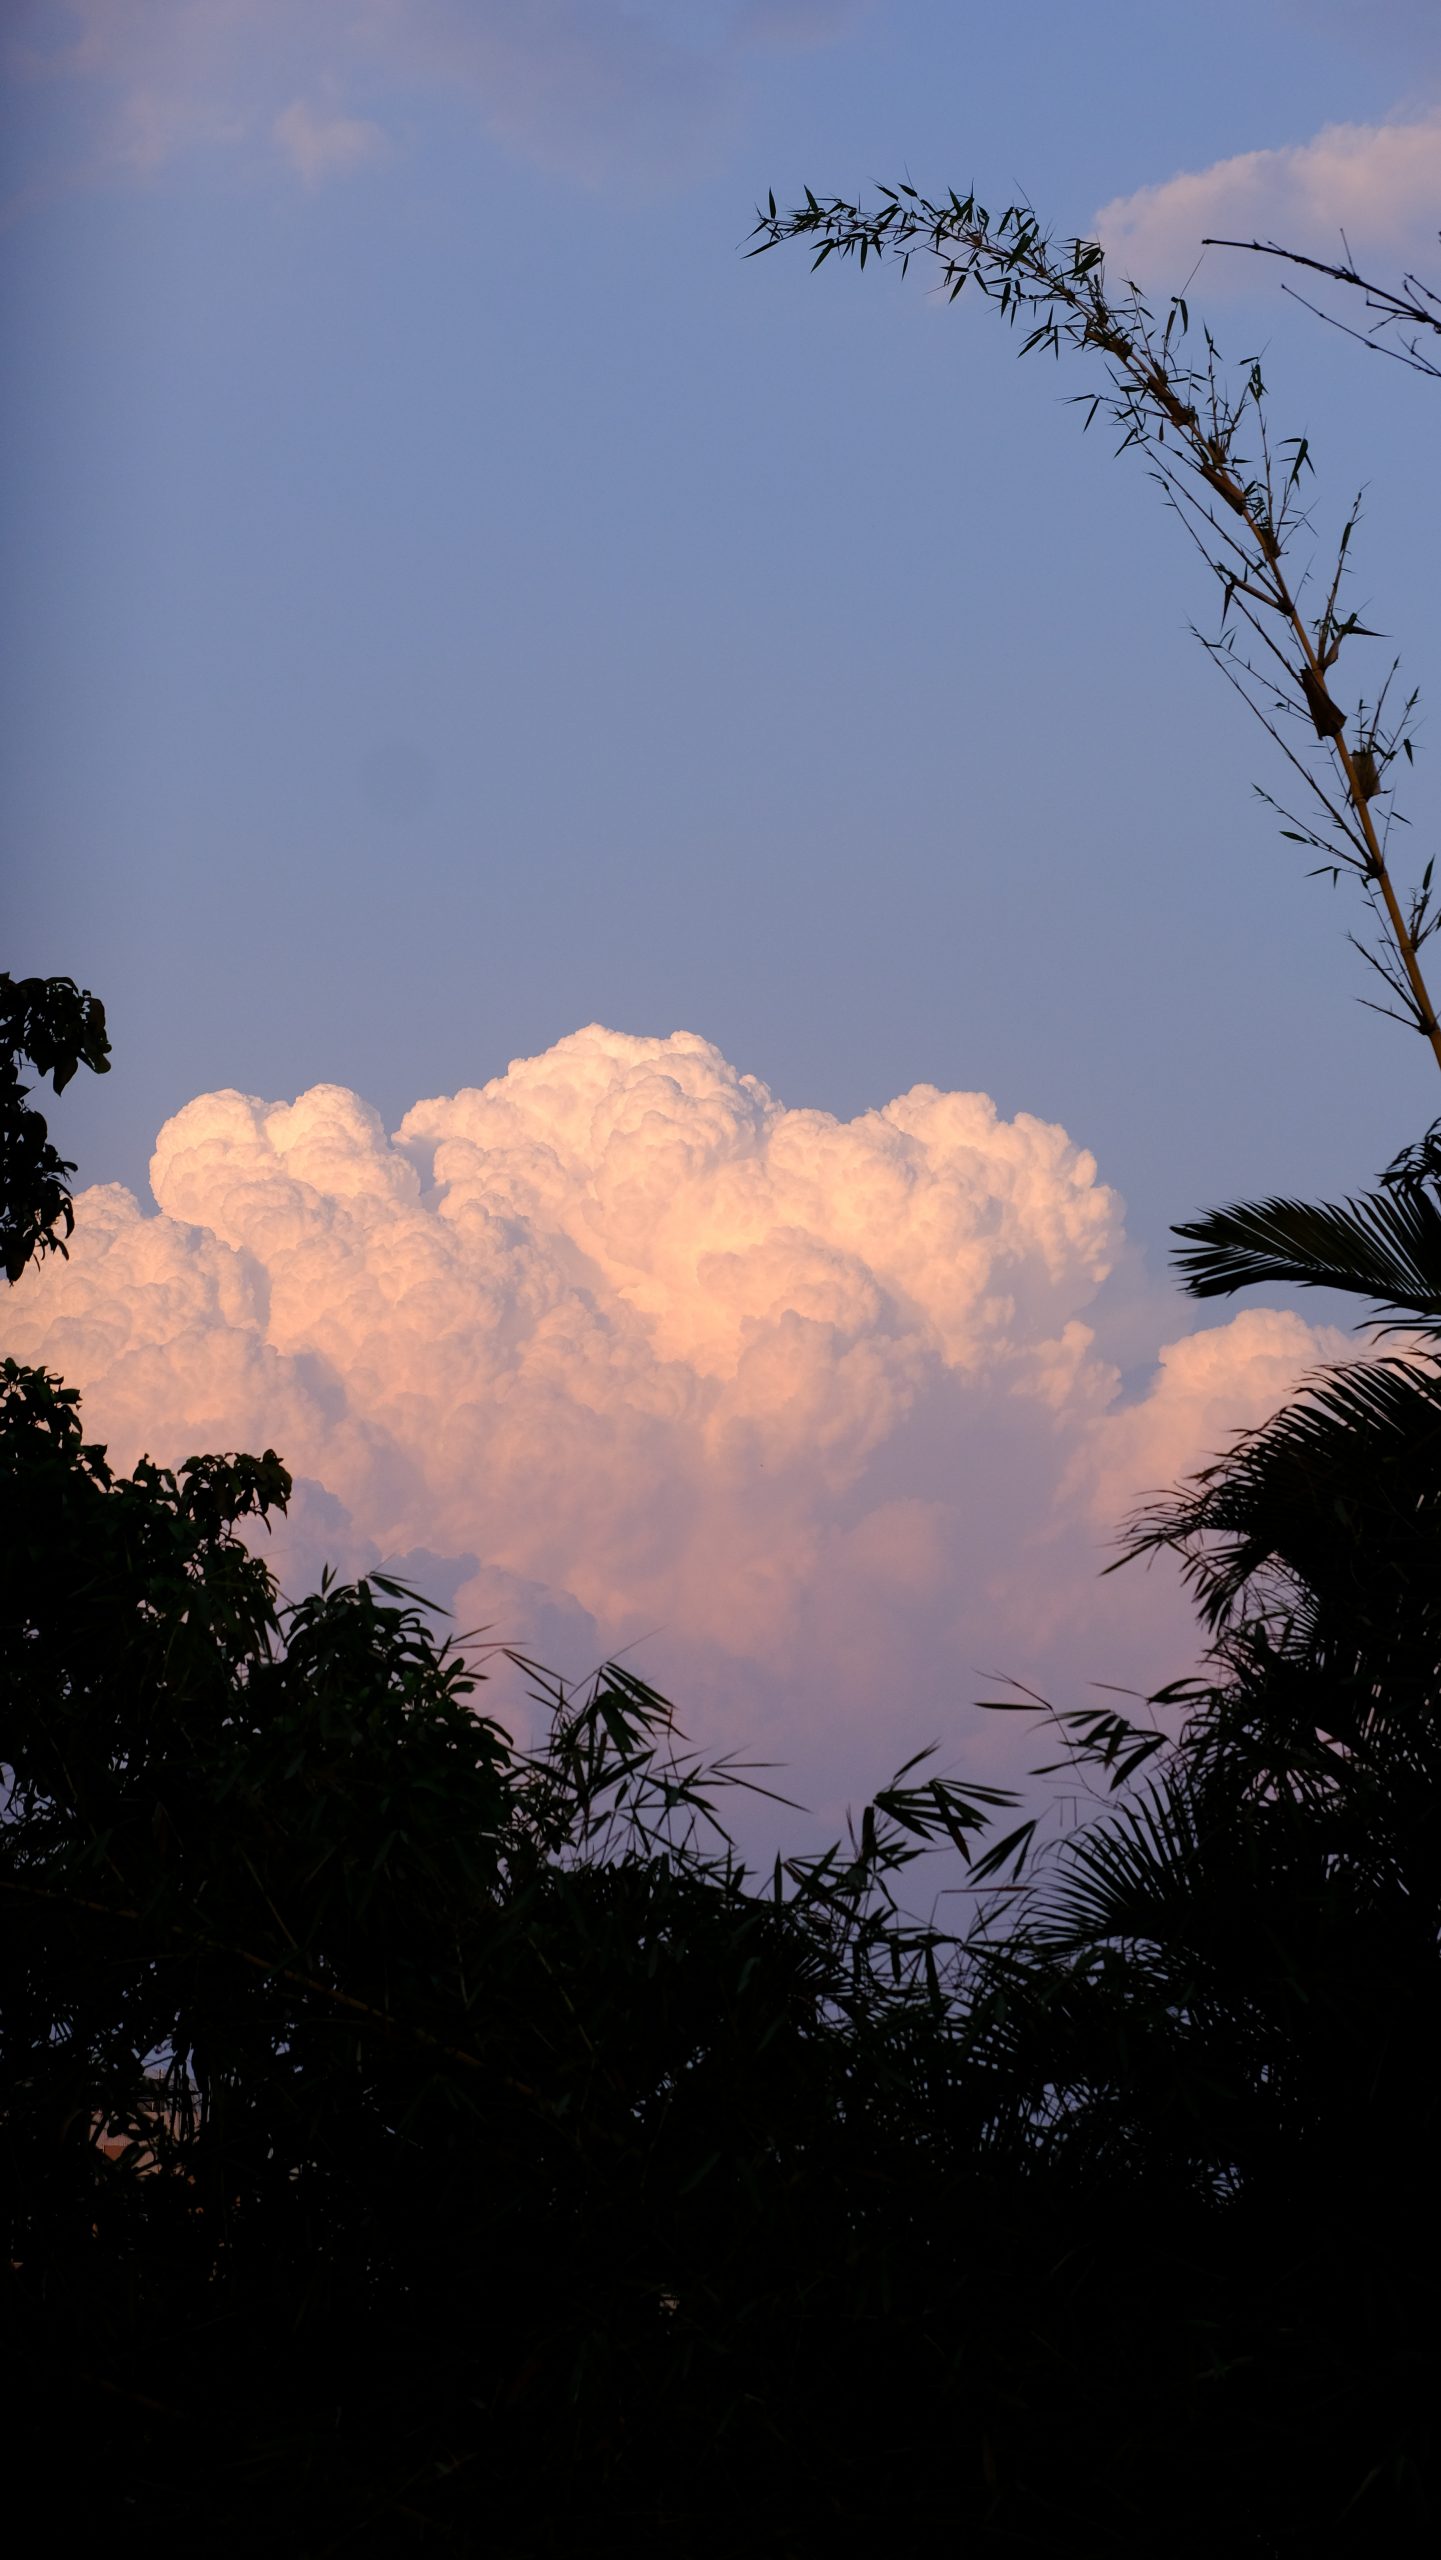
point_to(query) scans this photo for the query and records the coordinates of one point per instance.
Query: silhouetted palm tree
(1386, 1247)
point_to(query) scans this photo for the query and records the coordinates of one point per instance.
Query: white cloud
(320, 146)
(1379, 183)
(1208, 1386)
(632, 1351)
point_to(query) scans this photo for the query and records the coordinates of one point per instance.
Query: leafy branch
(1239, 492)
(54, 1026)
(1400, 312)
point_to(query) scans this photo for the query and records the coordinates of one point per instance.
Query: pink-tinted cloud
(1380, 184)
(1207, 1387)
(590, 89)
(620, 1348)
(320, 146)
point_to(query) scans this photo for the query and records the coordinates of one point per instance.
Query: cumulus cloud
(1380, 184)
(618, 1348)
(1207, 1387)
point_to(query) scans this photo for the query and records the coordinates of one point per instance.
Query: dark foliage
(56, 1027)
(415, 2142)
(1385, 1248)
(407, 2138)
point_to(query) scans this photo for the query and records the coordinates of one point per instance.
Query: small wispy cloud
(320, 146)
(1379, 184)
(599, 90)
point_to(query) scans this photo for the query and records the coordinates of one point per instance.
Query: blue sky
(451, 598)
(460, 598)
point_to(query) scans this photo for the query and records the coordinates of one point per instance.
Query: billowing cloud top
(619, 1344)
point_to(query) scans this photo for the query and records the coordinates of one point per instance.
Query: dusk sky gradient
(452, 599)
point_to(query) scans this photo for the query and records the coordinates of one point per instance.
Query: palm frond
(1386, 1247)
(1285, 1508)
(1117, 1880)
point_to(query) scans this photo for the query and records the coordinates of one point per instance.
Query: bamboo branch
(1188, 424)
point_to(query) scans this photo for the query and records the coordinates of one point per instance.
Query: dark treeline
(414, 2142)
